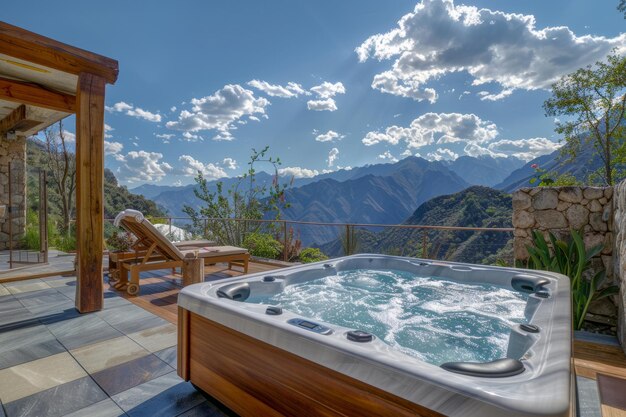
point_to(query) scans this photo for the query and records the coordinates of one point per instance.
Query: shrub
(574, 260)
(309, 255)
(262, 245)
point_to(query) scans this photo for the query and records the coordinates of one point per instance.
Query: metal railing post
(424, 245)
(348, 243)
(285, 254)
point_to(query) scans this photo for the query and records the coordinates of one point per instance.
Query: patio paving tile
(82, 330)
(207, 409)
(58, 401)
(168, 356)
(130, 319)
(61, 282)
(156, 338)
(105, 408)
(130, 374)
(165, 396)
(32, 377)
(108, 353)
(19, 287)
(25, 343)
(3, 291)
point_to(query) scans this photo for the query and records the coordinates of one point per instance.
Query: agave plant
(571, 258)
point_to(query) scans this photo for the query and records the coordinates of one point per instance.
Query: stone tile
(168, 356)
(58, 401)
(3, 291)
(32, 377)
(56, 282)
(127, 375)
(156, 338)
(25, 343)
(207, 409)
(45, 303)
(112, 300)
(82, 330)
(69, 292)
(9, 303)
(15, 317)
(19, 287)
(165, 396)
(108, 353)
(130, 319)
(28, 353)
(105, 408)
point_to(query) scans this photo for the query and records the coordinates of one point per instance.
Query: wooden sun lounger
(160, 253)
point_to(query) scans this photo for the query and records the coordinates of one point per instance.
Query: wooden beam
(20, 92)
(29, 46)
(90, 191)
(12, 119)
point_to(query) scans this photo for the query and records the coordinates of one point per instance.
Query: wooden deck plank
(159, 289)
(592, 358)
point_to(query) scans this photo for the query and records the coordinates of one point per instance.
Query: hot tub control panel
(310, 326)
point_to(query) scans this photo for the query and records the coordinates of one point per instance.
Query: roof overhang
(39, 77)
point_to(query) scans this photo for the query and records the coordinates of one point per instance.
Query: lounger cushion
(210, 251)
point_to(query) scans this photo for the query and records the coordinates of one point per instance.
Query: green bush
(262, 245)
(571, 258)
(308, 255)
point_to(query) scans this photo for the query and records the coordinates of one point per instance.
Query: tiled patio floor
(116, 362)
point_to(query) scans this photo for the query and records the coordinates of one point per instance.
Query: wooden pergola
(41, 82)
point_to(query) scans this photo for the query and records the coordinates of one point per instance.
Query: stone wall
(561, 209)
(13, 151)
(619, 258)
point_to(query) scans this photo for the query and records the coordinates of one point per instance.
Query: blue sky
(326, 84)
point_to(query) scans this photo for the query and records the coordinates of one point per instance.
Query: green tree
(592, 103)
(246, 200)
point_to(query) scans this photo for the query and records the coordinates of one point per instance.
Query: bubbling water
(432, 319)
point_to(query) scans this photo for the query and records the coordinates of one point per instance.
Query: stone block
(596, 222)
(545, 199)
(593, 239)
(519, 248)
(571, 194)
(520, 200)
(577, 216)
(550, 219)
(523, 220)
(608, 192)
(563, 205)
(594, 206)
(593, 193)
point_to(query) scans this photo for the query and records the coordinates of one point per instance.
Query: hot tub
(381, 335)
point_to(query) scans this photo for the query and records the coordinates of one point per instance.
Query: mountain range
(386, 193)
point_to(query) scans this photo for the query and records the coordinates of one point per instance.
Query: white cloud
(328, 90)
(230, 163)
(112, 148)
(332, 157)
(328, 136)
(507, 49)
(191, 166)
(322, 105)
(436, 127)
(475, 150)
(273, 90)
(107, 129)
(525, 149)
(388, 156)
(297, 172)
(137, 112)
(139, 166)
(442, 154)
(165, 136)
(220, 111)
(325, 93)
(173, 109)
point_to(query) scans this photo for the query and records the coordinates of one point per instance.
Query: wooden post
(89, 191)
(193, 269)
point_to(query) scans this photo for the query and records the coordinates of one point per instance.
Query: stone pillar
(13, 151)
(619, 257)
